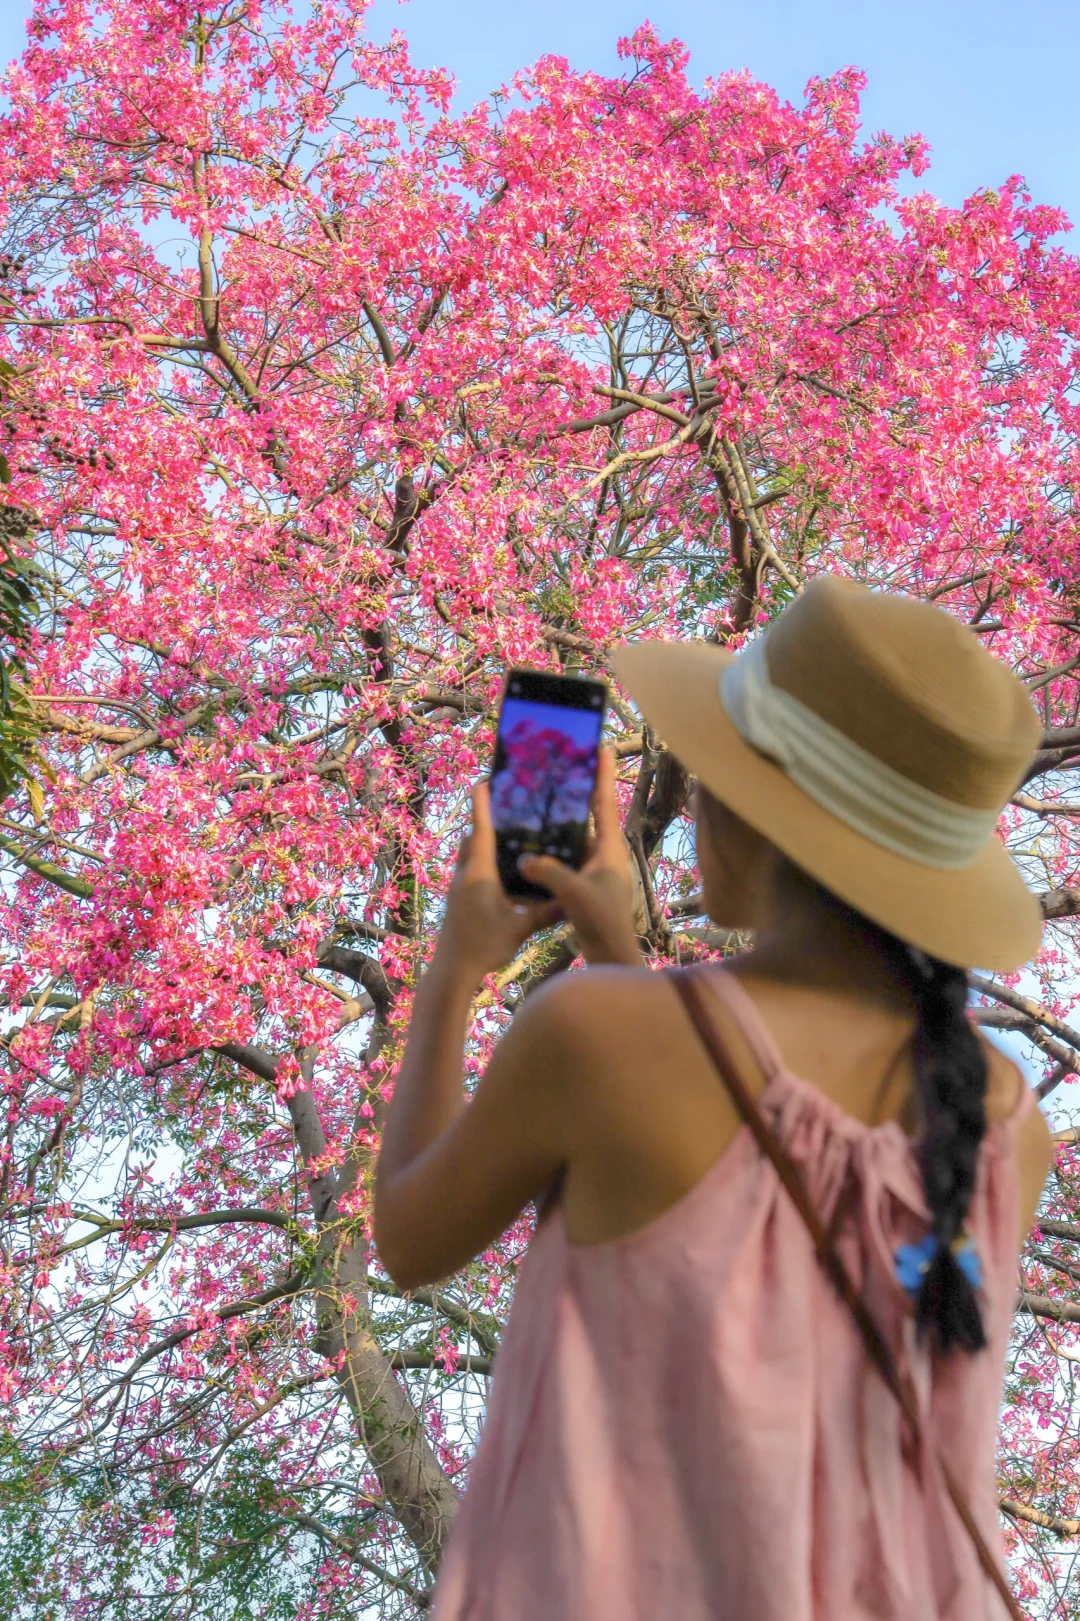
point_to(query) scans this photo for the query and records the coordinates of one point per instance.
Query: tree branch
(416, 1358)
(53, 874)
(291, 1285)
(166, 1224)
(382, 336)
(1060, 1229)
(255, 1059)
(485, 1331)
(365, 971)
(1063, 1311)
(1059, 903)
(346, 1546)
(1035, 1516)
(1051, 760)
(1024, 1004)
(151, 737)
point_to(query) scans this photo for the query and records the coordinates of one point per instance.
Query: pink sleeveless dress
(684, 1426)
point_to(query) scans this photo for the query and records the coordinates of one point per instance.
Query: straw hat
(875, 741)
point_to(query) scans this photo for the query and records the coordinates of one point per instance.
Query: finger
(529, 918)
(482, 861)
(606, 807)
(542, 915)
(549, 873)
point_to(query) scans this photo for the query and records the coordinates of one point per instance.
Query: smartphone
(546, 755)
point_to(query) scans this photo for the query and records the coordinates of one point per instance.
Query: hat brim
(982, 915)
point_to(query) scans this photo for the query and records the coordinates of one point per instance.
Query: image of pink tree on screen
(543, 790)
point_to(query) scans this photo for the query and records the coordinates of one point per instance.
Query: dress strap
(740, 1004)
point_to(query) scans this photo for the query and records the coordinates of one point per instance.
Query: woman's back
(684, 1422)
(654, 1118)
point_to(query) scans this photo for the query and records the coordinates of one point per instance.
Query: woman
(685, 1422)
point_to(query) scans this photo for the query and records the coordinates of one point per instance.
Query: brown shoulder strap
(877, 1347)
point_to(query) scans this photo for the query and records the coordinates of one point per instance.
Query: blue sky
(991, 85)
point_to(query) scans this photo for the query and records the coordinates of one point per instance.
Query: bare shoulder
(592, 1007)
(609, 1025)
(596, 1042)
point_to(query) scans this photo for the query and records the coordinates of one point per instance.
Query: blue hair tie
(913, 1262)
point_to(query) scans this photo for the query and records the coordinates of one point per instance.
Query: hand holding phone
(536, 810)
(597, 901)
(546, 754)
(484, 926)
(548, 770)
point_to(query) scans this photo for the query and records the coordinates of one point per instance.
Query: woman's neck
(806, 937)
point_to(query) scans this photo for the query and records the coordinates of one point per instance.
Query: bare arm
(451, 1175)
(448, 1201)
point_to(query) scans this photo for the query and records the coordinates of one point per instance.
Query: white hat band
(843, 778)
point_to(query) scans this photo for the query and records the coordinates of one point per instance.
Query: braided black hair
(951, 1075)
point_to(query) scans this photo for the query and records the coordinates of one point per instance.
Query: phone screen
(546, 754)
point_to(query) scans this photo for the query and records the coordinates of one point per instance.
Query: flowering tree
(320, 406)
